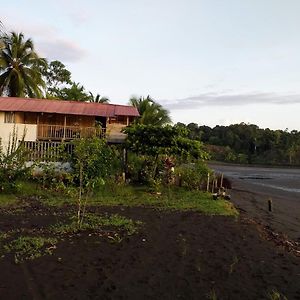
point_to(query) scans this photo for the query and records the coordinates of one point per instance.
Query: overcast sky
(208, 61)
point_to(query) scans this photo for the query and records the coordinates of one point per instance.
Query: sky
(211, 62)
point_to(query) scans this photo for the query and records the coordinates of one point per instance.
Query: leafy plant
(92, 163)
(193, 176)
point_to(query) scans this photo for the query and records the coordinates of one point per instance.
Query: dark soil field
(174, 255)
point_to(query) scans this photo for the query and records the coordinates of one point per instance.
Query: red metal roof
(66, 107)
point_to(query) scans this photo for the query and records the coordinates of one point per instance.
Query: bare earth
(175, 255)
(253, 186)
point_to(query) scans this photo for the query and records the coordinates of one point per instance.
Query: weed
(235, 261)
(94, 222)
(275, 295)
(7, 200)
(27, 248)
(212, 295)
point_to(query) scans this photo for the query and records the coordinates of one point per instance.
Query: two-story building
(50, 122)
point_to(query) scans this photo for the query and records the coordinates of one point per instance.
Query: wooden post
(65, 124)
(207, 185)
(221, 183)
(124, 164)
(213, 185)
(270, 205)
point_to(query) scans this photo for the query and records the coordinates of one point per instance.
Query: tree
(76, 92)
(20, 67)
(92, 163)
(56, 77)
(151, 112)
(157, 141)
(98, 99)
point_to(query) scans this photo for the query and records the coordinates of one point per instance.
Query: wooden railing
(47, 151)
(59, 132)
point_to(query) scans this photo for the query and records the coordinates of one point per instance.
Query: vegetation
(95, 222)
(151, 112)
(27, 247)
(247, 143)
(20, 65)
(158, 149)
(12, 162)
(176, 198)
(92, 162)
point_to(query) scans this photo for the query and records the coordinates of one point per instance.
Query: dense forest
(247, 143)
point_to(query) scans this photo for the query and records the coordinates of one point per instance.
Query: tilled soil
(175, 255)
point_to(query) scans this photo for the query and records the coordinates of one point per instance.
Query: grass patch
(7, 200)
(46, 196)
(169, 198)
(128, 195)
(95, 222)
(27, 248)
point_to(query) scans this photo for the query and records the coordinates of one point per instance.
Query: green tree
(98, 99)
(151, 112)
(92, 163)
(76, 92)
(56, 77)
(157, 141)
(20, 67)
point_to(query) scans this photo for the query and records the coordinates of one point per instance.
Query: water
(282, 179)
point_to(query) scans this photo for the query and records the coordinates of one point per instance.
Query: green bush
(193, 176)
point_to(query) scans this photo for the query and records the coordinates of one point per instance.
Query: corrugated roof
(66, 107)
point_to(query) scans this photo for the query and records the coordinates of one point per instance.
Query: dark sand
(175, 255)
(253, 186)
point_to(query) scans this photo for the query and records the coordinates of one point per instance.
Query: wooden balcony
(66, 133)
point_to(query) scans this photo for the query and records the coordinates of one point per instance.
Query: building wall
(7, 129)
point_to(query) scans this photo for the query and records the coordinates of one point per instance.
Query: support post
(207, 185)
(65, 124)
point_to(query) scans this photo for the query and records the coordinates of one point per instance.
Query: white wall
(6, 130)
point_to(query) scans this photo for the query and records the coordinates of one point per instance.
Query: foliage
(56, 77)
(151, 112)
(27, 247)
(92, 163)
(155, 145)
(75, 92)
(168, 140)
(177, 198)
(193, 176)
(20, 67)
(12, 162)
(98, 99)
(247, 143)
(95, 222)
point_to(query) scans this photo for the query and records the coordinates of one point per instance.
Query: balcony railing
(59, 132)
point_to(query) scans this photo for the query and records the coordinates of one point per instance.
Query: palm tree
(20, 66)
(151, 112)
(98, 98)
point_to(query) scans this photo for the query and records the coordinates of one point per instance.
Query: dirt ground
(175, 255)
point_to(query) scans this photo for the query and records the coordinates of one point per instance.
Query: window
(9, 117)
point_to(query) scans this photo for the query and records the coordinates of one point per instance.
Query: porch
(67, 133)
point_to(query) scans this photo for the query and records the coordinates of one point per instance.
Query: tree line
(247, 143)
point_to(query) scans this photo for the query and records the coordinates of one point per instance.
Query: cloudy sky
(208, 61)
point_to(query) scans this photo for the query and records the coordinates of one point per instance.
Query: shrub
(193, 176)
